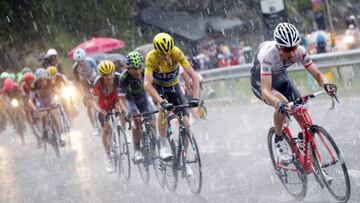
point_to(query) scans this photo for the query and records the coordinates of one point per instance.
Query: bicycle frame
(306, 124)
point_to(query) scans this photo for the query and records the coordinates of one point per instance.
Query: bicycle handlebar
(47, 108)
(145, 114)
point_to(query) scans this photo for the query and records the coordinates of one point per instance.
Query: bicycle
(185, 152)
(65, 125)
(318, 152)
(53, 135)
(18, 116)
(119, 148)
(150, 149)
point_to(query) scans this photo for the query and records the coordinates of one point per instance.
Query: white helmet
(286, 35)
(41, 73)
(51, 52)
(79, 54)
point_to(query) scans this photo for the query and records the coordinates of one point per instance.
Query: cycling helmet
(286, 35)
(134, 60)
(52, 70)
(20, 78)
(25, 70)
(51, 52)
(163, 43)
(4, 75)
(8, 84)
(28, 77)
(106, 68)
(12, 76)
(41, 73)
(79, 54)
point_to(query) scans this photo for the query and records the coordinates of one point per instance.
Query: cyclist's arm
(148, 86)
(195, 81)
(266, 86)
(318, 76)
(31, 100)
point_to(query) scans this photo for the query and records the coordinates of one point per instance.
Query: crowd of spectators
(219, 56)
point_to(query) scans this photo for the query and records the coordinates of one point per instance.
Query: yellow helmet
(163, 43)
(52, 70)
(106, 68)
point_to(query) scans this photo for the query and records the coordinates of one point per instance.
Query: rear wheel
(330, 164)
(292, 176)
(191, 158)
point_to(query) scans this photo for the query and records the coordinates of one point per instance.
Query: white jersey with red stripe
(269, 62)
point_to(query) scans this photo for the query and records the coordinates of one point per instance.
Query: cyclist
(162, 82)
(25, 88)
(270, 81)
(11, 91)
(106, 88)
(42, 95)
(134, 96)
(84, 70)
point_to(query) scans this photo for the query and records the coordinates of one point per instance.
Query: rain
(222, 42)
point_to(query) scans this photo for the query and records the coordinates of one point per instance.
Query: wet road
(233, 145)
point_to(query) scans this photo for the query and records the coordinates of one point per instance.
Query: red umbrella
(99, 45)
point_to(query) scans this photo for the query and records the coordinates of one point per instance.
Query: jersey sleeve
(265, 66)
(92, 63)
(149, 63)
(304, 57)
(181, 58)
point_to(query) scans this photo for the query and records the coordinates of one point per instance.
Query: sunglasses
(288, 49)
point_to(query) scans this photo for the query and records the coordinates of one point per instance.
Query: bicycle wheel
(54, 136)
(170, 168)
(143, 167)
(191, 158)
(292, 176)
(20, 128)
(65, 126)
(124, 156)
(328, 160)
(155, 157)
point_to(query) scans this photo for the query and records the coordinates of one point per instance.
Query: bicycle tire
(66, 126)
(143, 167)
(283, 174)
(54, 139)
(124, 158)
(20, 128)
(170, 168)
(317, 131)
(155, 157)
(193, 145)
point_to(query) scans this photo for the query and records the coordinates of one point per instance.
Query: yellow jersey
(165, 72)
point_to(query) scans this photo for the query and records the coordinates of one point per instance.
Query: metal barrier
(343, 58)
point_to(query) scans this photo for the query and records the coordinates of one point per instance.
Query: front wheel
(330, 164)
(192, 164)
(124, 155)
(143, 167)
(292, 176)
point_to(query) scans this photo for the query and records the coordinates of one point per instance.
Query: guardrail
(326, 60)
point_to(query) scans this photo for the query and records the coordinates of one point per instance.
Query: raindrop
(208, 11)
(108, 21)
(113, 8)
(8, 19)
(48, 29)
(31, 15)
(35, 26)
(11, 38)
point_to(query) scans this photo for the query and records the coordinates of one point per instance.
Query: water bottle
(300, 141)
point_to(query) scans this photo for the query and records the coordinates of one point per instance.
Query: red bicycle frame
(305, 122)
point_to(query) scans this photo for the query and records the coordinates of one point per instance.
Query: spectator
(50, 59)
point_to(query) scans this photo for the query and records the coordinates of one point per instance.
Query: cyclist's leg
(133, 109)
